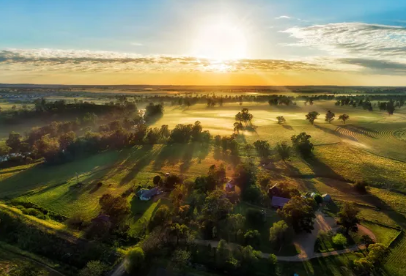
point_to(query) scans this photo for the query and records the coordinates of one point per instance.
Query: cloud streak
(104, 61)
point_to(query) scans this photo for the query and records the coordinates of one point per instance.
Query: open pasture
(370, 153)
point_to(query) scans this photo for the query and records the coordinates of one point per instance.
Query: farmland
(370, 147)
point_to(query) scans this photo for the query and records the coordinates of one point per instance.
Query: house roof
(150, 193)
(279, 201)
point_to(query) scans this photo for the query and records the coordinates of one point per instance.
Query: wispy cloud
(104, 61)
(136, 44)
(353, 39)
(283, 17)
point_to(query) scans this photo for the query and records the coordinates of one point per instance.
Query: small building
(279, 202)
(148, 194)
(326, 197)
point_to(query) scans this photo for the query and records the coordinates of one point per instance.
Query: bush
(340, 240)
(360, 187)
(135, 260)
(252, 237)
(77, 221)
(93, 268)
(34, 212)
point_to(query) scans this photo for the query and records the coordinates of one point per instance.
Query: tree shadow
(288, 127)
(142, 158)
(336, 133)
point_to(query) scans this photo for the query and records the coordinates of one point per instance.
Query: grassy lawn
(383, 235)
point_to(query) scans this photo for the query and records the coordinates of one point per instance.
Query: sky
(213, 42)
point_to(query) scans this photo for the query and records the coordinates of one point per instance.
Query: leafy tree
(234, 223)
(216, 206)
(283, 150)
(47, 147)
(343, 117)
(311, 116)
(245, 175)
(161, 217)
(244, 116)
(196, 131)
(252, 237)
(377, 253)
(390, 107)
(263, 148)
(179, 260)
(93, 268)
(363, 266)
(66, 139)
(14, 141)
(347, 217)
(340, 240)
(157, 180)
(272, 260)
(115, 207)
(302, 144)
(252, 193)
(135, 261)
(329, 116)
(299, 213)
(281, 120)
(238, 127)
(249, 259)
(280, 233)
(223, 254)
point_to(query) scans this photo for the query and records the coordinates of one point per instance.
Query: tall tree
(343, 117)
(348, 217)
(311, 116)
(299, 212)
(329, 117)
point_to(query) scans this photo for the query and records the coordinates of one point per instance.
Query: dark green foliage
(252, 237)
(93, 268)
(160, 218)
(153, 110)
(302, 144)
(348, 217)
(115, 207)
(263, 148)
(280, 233)
(311, 116)
(252, 194)
(283, 150)
(299, 212)
(135, 261)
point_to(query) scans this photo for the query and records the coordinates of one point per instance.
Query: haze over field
(257, 42)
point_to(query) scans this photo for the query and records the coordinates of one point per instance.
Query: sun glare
(220, 40)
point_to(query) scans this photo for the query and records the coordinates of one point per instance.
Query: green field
(371, 147)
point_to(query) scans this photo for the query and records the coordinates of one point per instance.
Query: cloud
(136, 44)
(376, 66)
(283, 17)
(358, 40)
(105, 61)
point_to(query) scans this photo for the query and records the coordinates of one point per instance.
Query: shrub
(252, 237)
(360, 187)
(340, 240)
(134, 260)
(93, 268)
(77, 221)
(34, 212)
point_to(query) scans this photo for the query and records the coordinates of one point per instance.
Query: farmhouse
(279, 202)
(148, 194)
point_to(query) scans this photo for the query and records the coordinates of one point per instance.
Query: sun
(220, 40)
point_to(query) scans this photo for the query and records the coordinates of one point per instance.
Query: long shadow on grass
(226, 156)
(142, 157)
(336, 133)
(323, 170)
(172, 154)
